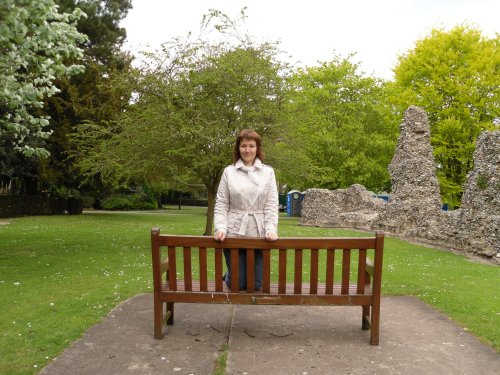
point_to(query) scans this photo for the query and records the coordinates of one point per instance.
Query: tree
(191, 100)
(339, 129)
(454, 76)
(102, 27)
(36, 43)
(88, 96)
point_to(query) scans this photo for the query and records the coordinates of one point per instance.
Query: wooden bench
(350, 277)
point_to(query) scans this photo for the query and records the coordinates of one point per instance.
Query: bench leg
(170, 313)
(158, 318)
(374, 337)
(365, 318)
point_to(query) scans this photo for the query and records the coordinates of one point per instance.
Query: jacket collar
(257, 164)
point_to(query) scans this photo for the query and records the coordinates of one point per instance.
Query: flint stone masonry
(352, 207)
(475, 227)
(414, 209)
(478, 219)
(415, 200)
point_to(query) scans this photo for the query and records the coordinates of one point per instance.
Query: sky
(312, 31)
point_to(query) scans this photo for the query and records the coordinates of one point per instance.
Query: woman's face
(248, 151)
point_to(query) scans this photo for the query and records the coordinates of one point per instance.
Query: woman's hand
(271, 236)
(220, 235)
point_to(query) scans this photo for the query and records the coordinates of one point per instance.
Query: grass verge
(220, 363)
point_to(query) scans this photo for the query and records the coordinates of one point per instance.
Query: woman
(247, 203)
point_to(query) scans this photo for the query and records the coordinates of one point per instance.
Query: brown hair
(250, 135)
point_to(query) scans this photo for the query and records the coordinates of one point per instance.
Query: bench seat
(271, 298)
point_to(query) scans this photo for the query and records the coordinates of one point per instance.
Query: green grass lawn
(60, 274)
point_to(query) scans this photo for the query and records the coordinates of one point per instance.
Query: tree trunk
(212, 192)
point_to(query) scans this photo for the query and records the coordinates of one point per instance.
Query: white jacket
(247, 201)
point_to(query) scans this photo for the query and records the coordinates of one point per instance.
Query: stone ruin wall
(414, 209)
(478, 219)
(343, 208)
(415, 199)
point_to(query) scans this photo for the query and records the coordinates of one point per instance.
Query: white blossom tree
(37, 46)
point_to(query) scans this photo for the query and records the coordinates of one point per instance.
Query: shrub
(88, 201)
(138, 201)
(143, 202)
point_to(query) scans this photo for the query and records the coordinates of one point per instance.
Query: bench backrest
(182, 250)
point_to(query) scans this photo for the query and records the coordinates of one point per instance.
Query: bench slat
(314, 271)
(203, 268)
(250, 270)
(259, 243)
(282, 270)
(266, 279)
(218, 270)
(273, 299)
(361, 270)
(346, 270)
(187, 267)
(235, 269)
(330, 270)
(298, 272)
(172, 274)
(290, 288)
(274, 289)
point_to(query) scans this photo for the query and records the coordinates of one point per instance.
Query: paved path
(414, 339)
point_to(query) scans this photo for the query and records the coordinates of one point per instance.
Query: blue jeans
(242, 263)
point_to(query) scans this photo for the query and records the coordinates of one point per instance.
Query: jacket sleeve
(222, 204)
(271, 206)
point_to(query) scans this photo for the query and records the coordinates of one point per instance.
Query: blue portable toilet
(294, 203)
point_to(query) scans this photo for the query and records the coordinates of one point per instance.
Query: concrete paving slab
(414, 339)
(123, 342)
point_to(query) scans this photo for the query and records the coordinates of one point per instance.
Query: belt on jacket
(244, 221)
